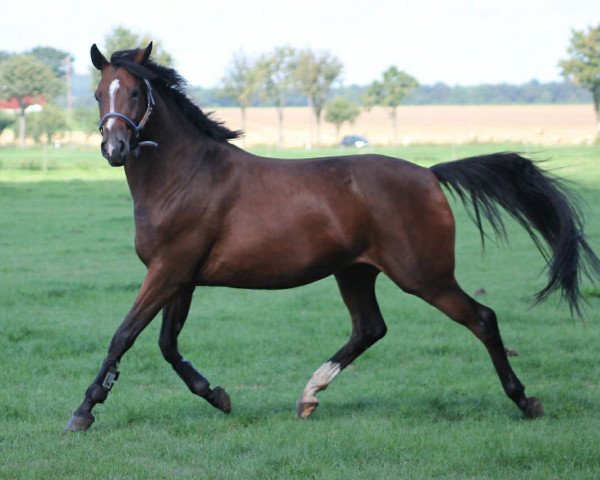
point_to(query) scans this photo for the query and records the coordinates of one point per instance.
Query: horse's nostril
(121, 146)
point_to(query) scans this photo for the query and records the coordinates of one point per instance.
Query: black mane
(168, 81)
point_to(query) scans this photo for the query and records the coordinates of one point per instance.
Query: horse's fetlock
(96, 393)
(195, 382)
(200, 386)
(514, 390)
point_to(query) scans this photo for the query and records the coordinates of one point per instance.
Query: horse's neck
(158, 172)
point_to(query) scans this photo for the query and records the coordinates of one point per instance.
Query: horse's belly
(289, 240)
(274, 265)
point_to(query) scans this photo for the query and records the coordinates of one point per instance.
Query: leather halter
(135, 128)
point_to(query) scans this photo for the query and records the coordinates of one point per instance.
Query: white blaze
(112, 92)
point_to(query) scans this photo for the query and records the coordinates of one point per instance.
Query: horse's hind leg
(357, 286)
(174, 316)
(481, 320)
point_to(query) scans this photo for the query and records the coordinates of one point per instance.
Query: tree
(86, 119)
(54, 58)
(340, 110)
(240, 82)
(275, 73)
(61, 63)
(4, 55)
(121, 38)
(49, 122)
(389, 92)
(584, 65)
(25, 79)
(315, 75)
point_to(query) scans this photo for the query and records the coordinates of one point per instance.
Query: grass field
(423, 403)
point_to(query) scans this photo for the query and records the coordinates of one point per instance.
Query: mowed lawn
(425, 402)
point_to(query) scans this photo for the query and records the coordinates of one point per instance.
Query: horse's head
(125, 102)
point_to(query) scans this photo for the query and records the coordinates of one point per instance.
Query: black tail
(539, 202)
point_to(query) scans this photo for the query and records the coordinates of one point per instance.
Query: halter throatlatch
(135, 128)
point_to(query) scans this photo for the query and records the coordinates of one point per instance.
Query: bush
(49, 122)
(6, 120)
(340, 110)
(86, 119)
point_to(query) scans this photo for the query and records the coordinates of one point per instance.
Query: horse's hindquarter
(294, 222)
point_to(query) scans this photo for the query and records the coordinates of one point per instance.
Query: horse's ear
(143, 55)
(98, 59)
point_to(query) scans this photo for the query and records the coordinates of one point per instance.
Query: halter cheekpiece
(135, 128)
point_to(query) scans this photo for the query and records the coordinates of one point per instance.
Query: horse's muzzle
(115, 150)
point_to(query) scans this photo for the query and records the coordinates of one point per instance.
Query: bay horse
(208, 213)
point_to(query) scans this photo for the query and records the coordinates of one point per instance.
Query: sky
(457, 42)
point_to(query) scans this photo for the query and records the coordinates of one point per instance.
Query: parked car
(354, 141)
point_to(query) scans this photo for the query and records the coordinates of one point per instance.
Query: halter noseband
(135, 128)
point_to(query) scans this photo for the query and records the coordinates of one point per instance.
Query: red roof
(13, 104)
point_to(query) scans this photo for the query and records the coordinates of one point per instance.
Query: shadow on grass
(434, 408)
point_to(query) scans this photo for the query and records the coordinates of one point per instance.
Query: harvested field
(534, 124)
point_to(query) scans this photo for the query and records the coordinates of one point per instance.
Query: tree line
(274, 76)
(282, 77)
(533, 92)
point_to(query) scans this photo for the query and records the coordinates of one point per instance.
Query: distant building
(34, 104)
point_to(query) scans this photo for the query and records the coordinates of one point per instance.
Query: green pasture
(423, 403)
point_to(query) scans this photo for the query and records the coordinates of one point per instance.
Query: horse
(208, 213)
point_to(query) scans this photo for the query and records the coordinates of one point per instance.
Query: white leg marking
(319, 381)
(112, 92)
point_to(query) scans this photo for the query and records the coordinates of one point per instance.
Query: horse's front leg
(155, 292)
(174, 315)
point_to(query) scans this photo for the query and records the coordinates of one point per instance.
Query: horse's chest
(147, 238)
(180, 238)
(145, 241)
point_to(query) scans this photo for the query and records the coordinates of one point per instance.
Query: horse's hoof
(221, 400)
(534, 409)
(79, 422)
(305, 409)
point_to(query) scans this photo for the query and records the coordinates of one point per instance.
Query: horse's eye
(135, 94)
(96, 96)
